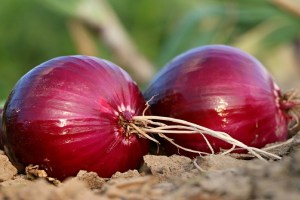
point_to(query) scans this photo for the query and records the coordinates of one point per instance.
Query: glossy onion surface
(221, 88)
(69, 114)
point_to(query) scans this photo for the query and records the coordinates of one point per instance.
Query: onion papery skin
(64, 115)
(224, 89)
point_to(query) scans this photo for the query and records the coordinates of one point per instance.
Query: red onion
(221, 88)
(72, 113)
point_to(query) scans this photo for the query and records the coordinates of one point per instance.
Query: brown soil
(215, 177)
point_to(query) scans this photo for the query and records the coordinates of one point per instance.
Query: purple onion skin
(63, 115)
(224, 89)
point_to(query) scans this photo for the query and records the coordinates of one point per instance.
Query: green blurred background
(142, 36)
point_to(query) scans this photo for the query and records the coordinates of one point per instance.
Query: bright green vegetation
(34, 31)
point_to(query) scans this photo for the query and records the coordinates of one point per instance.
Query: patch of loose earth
(212, 177)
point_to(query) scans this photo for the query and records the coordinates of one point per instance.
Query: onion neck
(290, 104)
(124, 122)
(129, 126)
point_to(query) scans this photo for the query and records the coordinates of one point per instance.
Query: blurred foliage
(29, 35)
(34, 31)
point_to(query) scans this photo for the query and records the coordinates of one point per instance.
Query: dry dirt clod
(91, 179)
(7, 170)
(73, 189)
(168, 178)
(296, 142)
(128, 174)
(294, 165)
(33, 172)
(219, 162)
(134, 188)
(174, 166)
(223, 185)
(16, 181)
(41, 190)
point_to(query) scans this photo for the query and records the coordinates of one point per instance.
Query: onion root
(146, 125)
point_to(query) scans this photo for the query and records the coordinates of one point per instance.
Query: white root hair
(154, 125)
